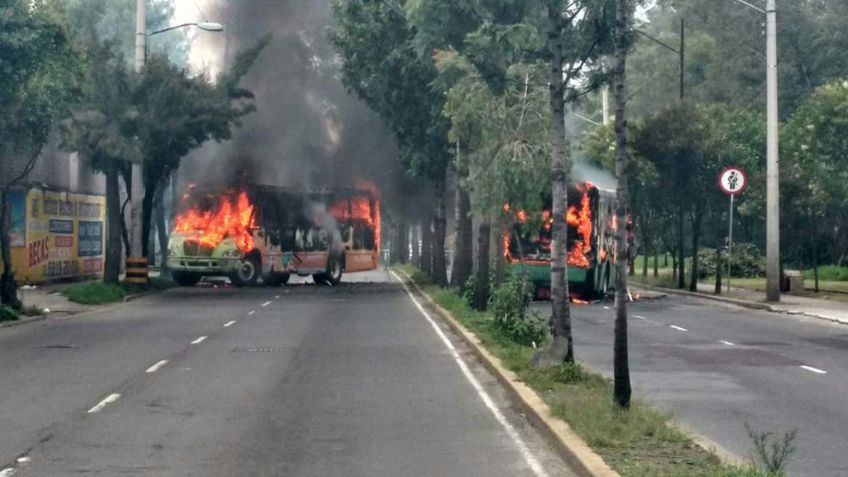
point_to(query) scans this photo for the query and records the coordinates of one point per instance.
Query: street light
(772, 154)
(137, 185)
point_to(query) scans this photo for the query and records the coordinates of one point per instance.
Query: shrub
(748, 262)
(510, 307)
(7, 313)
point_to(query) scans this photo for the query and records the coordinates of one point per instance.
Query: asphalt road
(717, 366)
(297, 381)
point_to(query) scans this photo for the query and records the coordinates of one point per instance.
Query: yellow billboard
(62, 236)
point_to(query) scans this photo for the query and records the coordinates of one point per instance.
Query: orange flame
(360, 209)
(231, 218)
(582, 221)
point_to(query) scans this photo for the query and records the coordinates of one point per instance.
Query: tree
(815, 175)
(38, 71)
(176, 114)
(382, 65)
(102, 129)
(622, 39)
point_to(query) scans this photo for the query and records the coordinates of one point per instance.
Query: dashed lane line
(678, 328)
(8, 472)
(266, 303)
(252, 312)
(105, 402)
(229, 324)
(531, 460)
(728, 343)
(156, 367)
(199, 340)
(639, 317)
(814, 370)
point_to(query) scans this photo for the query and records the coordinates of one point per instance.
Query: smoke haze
(308, 131)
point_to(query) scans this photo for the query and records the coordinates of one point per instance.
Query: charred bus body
(590, 246)
(272, 233)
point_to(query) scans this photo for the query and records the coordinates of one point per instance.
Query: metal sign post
(732, 181)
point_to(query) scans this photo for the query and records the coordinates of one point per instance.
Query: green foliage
(95, 293)
(747, 262)
(510, 307)
(829, 273)
(772, 452)
(7, 313)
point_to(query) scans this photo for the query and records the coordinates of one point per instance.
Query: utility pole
(605, 98)
(772, 167)
(137, 184)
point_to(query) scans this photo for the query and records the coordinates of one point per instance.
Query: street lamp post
(137, 183)
(680, 52)
(772, 154)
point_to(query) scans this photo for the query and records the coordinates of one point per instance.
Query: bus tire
(333, 275)
(248, 273)
(275, 279)
(186, 279)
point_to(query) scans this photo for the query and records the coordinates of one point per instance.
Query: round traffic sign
(732, 181)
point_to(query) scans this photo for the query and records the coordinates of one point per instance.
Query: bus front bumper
(206, 265)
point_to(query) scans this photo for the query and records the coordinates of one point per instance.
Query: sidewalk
(789, 304)
(50, 298)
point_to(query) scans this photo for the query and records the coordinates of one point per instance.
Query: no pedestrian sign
(733, 181)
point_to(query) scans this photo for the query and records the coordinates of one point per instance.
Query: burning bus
(590, 242)
(272, 233)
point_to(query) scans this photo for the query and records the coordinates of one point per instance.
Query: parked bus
(590, 243)
(271, 233)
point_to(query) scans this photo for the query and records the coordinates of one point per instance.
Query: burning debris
(230, 216)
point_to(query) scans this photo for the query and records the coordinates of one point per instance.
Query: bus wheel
(275, 279)
(247, 274)
(185, 279)
(335, 273)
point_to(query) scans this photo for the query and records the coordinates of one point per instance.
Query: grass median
(641, 442)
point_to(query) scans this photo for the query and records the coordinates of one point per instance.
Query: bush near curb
(95, 293)
(641, 442)
(7, 313)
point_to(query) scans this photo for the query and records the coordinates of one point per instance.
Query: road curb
(742, 303)
(568, 444)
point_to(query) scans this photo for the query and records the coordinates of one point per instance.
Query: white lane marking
(276, 297)
(639, 317)
(484, 396)
(105, 402)
(606, 308)
(678, 328)
(728, 343)
(24, 460)
(815, 370)
(156, 366)
(227, 325)
(199, 340)
(252, 312)
(7, 472)
(266, 303)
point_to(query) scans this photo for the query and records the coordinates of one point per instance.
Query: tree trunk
(427, 248)
(403, 242)
(621, 365)
(440, 269)
(681, 261)
(657, 261)
(416, 245)
(696, 236)
(561, 349)
(481, 278)
(112, 265)
(500, 262)
(161, 228)
(665, 259)
(147, 218)
(463, 261)
(645, 263)
(8, 287)
(816, 264)
(674, 265)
